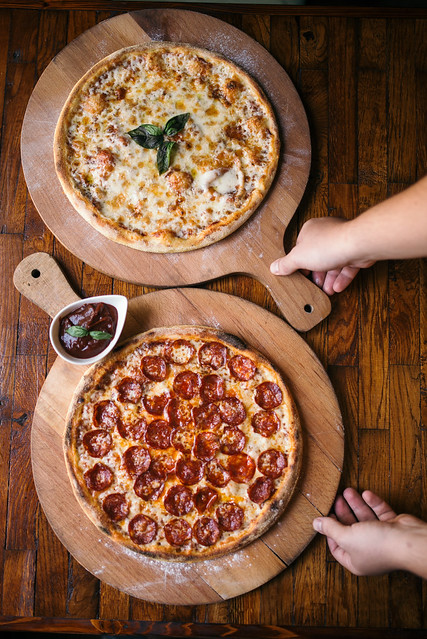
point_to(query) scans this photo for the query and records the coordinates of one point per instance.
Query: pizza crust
(98, 384)
(119, 193)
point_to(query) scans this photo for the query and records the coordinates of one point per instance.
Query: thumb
(330, 527)
(284, 265)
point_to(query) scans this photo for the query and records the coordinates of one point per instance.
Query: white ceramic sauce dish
(120, 303)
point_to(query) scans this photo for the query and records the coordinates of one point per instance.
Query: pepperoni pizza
(185, 444)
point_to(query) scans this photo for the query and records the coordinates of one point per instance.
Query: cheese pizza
(165, 147)
(183, 445)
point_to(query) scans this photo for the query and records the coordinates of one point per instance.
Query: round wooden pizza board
(248, 250)
(39, 278)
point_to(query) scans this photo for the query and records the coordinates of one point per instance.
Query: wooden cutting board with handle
(39, 278)
(250, 249)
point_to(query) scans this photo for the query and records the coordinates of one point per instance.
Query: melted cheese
(223, 155)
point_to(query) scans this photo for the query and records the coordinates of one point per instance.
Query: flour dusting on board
(155, 571)
(157, 33)
(226, 46)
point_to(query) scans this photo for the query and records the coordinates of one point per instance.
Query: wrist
(360, 241)
(412, 541)
(352, 241)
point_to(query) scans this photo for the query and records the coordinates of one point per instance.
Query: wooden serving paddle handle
(301, 302)
(41, 280)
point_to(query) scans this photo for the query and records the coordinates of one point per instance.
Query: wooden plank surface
(372, 344)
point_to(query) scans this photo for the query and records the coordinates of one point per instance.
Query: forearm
(413, 548)
(393, 229)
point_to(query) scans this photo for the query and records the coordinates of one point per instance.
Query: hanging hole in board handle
(308, 308)
(35, 273)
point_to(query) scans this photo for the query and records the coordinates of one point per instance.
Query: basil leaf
(100, 335)
(176, 124)
(149, 136)
(164, 156)
(77, 331)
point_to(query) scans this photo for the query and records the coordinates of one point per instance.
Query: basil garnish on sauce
(100, 335)
(81, 331)
(150, 136)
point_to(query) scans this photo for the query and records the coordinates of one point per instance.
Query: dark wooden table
(362, 76)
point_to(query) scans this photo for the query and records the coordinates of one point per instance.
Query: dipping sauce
(96, 320)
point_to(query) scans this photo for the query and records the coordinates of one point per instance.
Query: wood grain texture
(216, 579)
(405, 454)
(4, 34)
(116, 627)
(18, 582)
(373, 343)
(402, 107)
(404, 293)
(342, 96)
(83, 591)
(19, 80)
(373, 352)
(52, 572)
(22, 500)
(343, 349)
(222, 9)
(374, 449)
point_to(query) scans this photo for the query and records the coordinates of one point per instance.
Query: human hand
(324, 246)
(367, 537)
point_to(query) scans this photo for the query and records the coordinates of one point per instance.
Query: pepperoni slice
(142, 529)
(129, 390)
(268, 395)
(206, 531)
(242, 368)
(154, 367)
(180, 351)
(212, 388)
(156, 404)
(232, 411)
(206, 446)
(136, 460)
(216, 474)
(206, 416)
(99, 477)
(182, 440)
(132, 430)
(148, 486)
(97, 442)
(162, 466)
(106, 415)
(233, 440)
(241, 468)
(230, 516)
(212, 354)
(189, 471)
(116, 506)
(261, 490)
(205, 498)
(272, 463)
(177, 532)
(158, 434)
(179, 500)
(186, 384)
(265, 423)
(179, 413)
